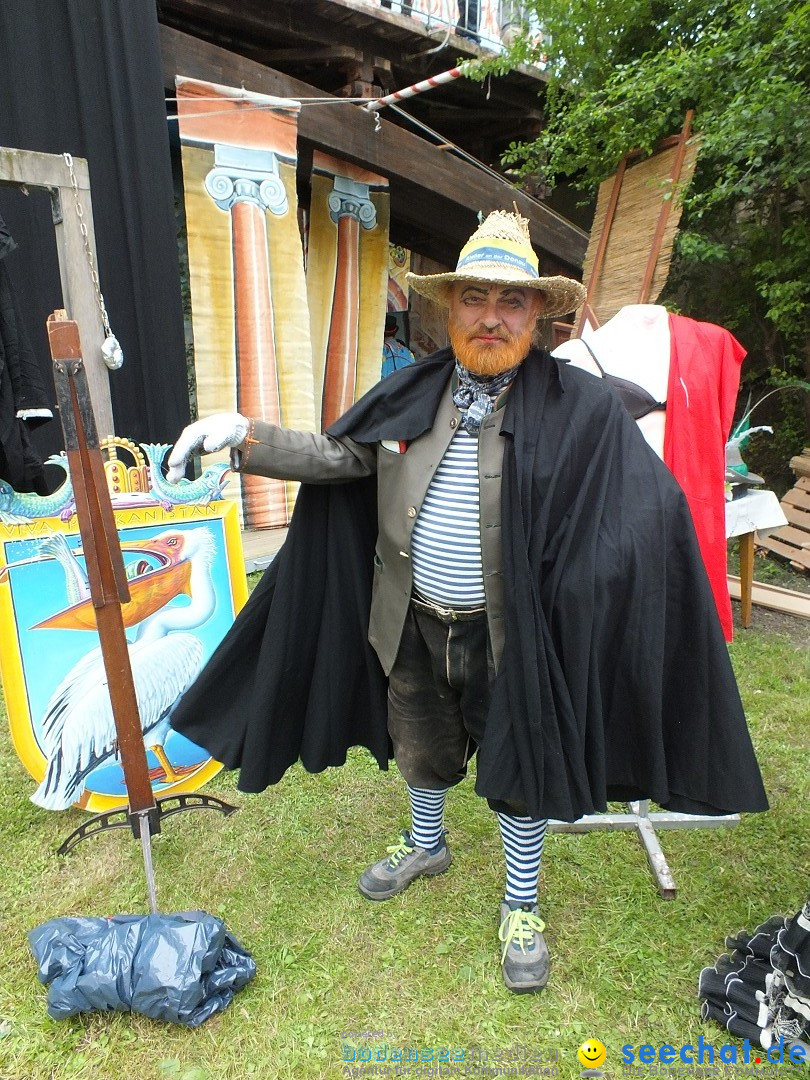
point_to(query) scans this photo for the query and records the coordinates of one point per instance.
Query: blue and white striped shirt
(446, 539)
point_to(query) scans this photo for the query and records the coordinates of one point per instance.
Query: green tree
(622, 74)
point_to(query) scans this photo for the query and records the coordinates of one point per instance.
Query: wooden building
(359, 48)
(98, 81)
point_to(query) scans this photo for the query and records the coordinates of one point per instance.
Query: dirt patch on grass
(765, 621)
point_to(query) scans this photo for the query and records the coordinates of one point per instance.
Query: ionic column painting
(246, 183)
(351, 208)
(346, 281)
(251, 330)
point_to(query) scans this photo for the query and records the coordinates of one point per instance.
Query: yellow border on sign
(11, 665)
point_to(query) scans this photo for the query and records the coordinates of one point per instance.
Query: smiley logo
(592, 1054)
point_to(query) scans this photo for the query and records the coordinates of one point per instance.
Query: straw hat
(500, 251)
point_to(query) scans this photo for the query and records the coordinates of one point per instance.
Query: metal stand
(108, 590)
(645, 824)
(164, 807)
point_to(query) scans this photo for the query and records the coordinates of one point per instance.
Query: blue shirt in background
(395, 356)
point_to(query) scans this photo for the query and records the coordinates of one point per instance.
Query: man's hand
(209, 435)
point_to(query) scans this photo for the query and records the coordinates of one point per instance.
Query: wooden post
(666, 209)
(587, 313)
(746, 577)
(48, 171)
(102, 551)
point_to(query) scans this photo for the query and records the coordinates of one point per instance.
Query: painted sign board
(187, 583)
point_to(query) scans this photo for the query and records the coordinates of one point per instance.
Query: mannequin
(695, 368)
(634, 344)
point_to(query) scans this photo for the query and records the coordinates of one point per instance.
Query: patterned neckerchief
(475, 395)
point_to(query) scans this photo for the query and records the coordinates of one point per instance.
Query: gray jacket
(402, 482)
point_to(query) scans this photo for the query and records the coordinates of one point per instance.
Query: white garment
(635, 345)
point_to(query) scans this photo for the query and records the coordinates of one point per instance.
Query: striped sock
(427, 814)
(523, 847)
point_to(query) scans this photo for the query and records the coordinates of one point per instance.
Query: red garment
(704, 377)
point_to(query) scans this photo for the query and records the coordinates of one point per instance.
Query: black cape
(615, 681)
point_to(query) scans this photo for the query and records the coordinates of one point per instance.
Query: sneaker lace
(519, 926)
(397, 852)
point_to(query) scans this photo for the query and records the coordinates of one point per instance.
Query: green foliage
(622, 74)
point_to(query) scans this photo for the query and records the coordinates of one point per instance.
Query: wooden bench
(792, 541)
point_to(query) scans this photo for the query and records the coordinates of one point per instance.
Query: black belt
(447, 615)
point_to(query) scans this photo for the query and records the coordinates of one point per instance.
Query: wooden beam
(448, 191)
(496, 92)
(587, 313)
(264, 21)
(788, 601)
(456, 44)
(666, 209)
(313, 54)
(255, 22)
(493, 132)
(460, 116)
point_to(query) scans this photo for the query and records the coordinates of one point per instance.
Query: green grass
(424, 965)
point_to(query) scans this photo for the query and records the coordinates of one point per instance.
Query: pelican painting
(78, 730)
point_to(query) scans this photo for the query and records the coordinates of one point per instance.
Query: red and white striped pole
(419, 87)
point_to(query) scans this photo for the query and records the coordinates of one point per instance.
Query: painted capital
(244, 175)
(349, 198)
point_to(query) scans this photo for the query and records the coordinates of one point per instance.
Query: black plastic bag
(182, 968)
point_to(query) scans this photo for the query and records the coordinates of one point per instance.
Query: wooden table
(758, 511)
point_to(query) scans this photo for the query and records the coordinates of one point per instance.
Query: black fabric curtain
(85, 77)
(24, 399)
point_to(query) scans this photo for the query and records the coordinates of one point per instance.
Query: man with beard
(520, 557)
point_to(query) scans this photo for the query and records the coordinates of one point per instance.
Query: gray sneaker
(403, 864)
(524, 959)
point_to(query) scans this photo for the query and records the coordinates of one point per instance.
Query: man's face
(491, 325)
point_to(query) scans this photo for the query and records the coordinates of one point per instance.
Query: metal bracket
(63, 371)
(123, 819)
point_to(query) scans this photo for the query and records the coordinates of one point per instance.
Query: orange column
(340, 374)
(350, 207)
(247, 183)
(264, 501)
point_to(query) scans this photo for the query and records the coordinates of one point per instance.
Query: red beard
(488, 357)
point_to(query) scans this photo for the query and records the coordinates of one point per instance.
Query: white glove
(209, 435)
